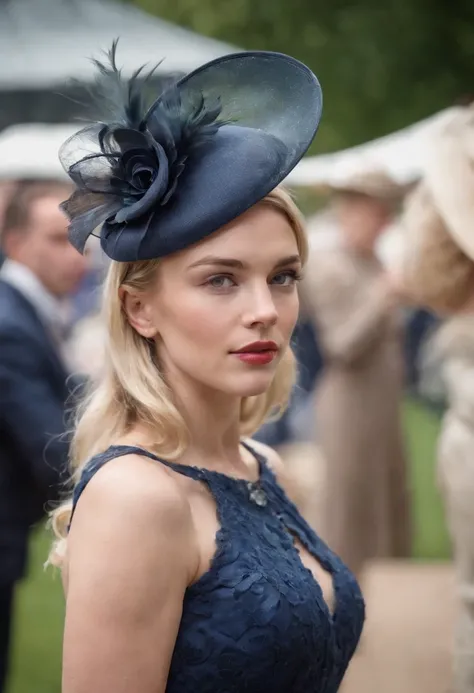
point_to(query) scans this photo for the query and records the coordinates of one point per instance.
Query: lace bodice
(256, 620)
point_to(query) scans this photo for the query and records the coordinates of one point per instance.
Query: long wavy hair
(131, 390)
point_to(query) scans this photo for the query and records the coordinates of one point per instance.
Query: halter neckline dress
(257, 620)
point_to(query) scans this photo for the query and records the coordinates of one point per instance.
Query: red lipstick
(258, 353)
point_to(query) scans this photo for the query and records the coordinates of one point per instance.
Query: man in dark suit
(40, 270)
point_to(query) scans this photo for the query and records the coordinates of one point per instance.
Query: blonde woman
(439, 273)
(186, 567)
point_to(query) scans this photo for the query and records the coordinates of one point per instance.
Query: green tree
(382, 66)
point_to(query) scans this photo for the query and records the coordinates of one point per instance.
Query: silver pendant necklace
(256, 493)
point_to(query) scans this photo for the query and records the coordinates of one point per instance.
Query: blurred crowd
(367, 335)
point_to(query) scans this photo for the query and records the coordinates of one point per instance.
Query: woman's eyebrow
(231, 262)
(214, 260)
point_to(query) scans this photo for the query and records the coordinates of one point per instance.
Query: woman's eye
(286, 278)
(220, 281)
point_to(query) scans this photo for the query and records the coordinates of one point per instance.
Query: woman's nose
(262, 309)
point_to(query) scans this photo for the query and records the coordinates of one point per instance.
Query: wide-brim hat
(449, 179)
(209, 148)
(376, 184)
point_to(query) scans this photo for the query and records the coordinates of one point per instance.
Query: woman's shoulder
(135, 490)
(131, 548)
(134, 473)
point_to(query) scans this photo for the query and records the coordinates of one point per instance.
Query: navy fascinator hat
(156, 180)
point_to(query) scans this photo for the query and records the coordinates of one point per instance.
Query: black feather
(167, 134)
(121, 100)
(190, 118)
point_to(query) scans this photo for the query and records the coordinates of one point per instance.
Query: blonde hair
(131, 388)
(437, 273)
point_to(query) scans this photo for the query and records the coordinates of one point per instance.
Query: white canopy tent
(44, 43)
(31, 151)
(400, 156)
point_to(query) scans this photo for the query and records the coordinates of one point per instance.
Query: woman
(438, 272)
(186, 566)
(357, 399)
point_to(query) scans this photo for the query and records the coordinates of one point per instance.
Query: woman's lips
(258, 353)
(257, 358)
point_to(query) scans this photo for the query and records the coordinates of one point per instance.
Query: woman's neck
(212, 419)
(213, 422)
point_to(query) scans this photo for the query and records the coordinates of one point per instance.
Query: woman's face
(362, 219)
(212, 300)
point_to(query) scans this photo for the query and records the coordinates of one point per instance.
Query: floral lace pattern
(257, 619)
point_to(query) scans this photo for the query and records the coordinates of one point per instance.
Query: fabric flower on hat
(132, 164)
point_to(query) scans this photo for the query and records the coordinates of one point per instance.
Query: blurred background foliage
(382, 65)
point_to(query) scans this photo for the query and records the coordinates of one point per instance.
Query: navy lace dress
(257, 620)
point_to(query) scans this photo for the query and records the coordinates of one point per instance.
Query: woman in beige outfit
(357, 402)
(456, 481)
(454, 345)
(439, 272)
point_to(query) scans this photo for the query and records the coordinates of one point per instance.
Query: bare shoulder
(131, 555)
(136, 487)
(130, 506)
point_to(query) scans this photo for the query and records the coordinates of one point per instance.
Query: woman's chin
(253, 384)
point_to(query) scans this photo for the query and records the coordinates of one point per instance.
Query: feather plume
(188, 118)
(123, 100)
(135, 156)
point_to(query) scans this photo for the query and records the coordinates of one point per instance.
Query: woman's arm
(131, 554)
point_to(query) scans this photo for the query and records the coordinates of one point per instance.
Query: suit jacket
(33, 447)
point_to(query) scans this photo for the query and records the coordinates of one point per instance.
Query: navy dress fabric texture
(256, 620)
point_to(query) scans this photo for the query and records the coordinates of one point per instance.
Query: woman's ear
(139, 312)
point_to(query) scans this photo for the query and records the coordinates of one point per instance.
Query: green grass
(40, 604)
(36, 665)
(421, 431)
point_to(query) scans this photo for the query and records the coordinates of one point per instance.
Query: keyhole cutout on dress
(322, 576)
